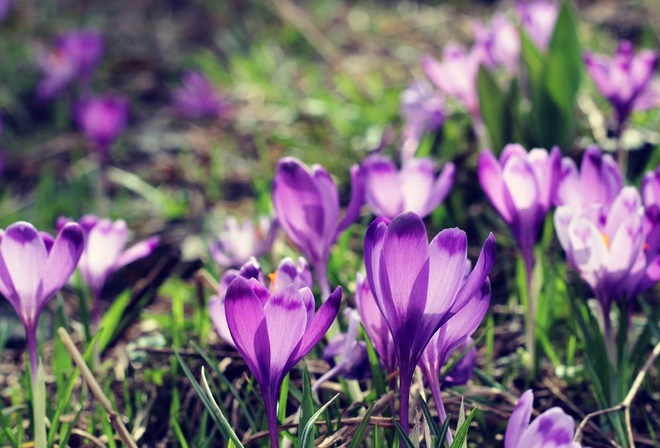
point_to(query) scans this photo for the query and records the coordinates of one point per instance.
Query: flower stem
(270, 403)
(404, 398)
(32, 345)
(439, 405)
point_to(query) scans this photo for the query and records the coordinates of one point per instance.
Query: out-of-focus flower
(353, 358)
(288, 273)
(419, 286)
(422, 111)
(463, 369)
(501, 41)
(102, 120)
(238, 242)
(105, 252)
(456, 75)
(33, 268)
(6, 6)
(74, 57)
(306, 202)
(625, 79)
(521, 187)
(197, 98)
(390, 192)
(597, 183)
(374, 323)
(553, 428)
(275, 330)
(538, 18)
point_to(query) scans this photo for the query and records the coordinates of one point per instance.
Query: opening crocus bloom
(419, 286)
(307, 205)
(500, 41)
(239, 242)
(538, 18)
(275, 330)
(552, 429)
(624, 79)
(422, 111)
(457, 74)
(521, 187)
(390, 192)
(33, 268)
(102, 120)
(197, 98)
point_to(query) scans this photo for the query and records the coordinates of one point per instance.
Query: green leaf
(112, 318)
(284, 397)
(402, 434)
(430, 421)
(494, 110)
(377, 379)
(462, 432)
(39, 407)
(359, 432)
(307, 437)
(307, 404)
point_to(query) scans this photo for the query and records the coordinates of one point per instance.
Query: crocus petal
(474, 282)
(104, 245)
(139, 250)
(519, 420)
(447, 254)
(417, 178)
(626, 246)
(382, 186)
(552, 428)
(490, 178)
(63, 259)
(219, 319)
(357, 199)
(626, 203)
(322, 320)
(329, 199)
(441, 188)
(467, 320)
(568, 184)
(588, 250)
(373, 245)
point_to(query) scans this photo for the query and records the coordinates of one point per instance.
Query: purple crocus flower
(624, 79)
(307, 205)
(275, 330)
(457, 74)
(538, 18)
(102, 120)
(288, 273)
(597, 183)
(104, 252)
(553, 428)
(390, 192)
(239, 242)
(501, 42)
(197, 98)
(33, 268)
(521, 187)
(419, 286)
(422, 111)
(451, 335)
(6, 7)
(74, 58)
(374, 323)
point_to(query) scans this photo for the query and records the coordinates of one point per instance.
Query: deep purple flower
(75, 57)
(597, 183)
(501, 42)
(457, 74)
(452, 334)
(422, 111)
(374, 323)
(307, 206)
(102, 120)
(538, 18)
(624, 79)
(390, 192)
(419, 286)
(521, 187)
(238, 242)
(553, 428)
(33, 268)
(197, 98)
(288, 273)
(275, 330)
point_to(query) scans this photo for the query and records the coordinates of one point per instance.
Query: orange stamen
(606, 239)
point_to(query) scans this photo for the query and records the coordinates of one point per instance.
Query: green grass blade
(402, 434)
(359, 432)
(461, 434)
(307, 404)
(215, 409)
(308, 431)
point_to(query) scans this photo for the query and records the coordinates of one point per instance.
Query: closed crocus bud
(422, 111)
(624, 79)
(418, 285)
(596, 185)
(538, 19)
(456, 75)
(275, 330)
(306, 202)
(416, 188)
(75, 57)
(520, 186)
(238, 242)
(33, 268)
(553, 428)
(102, 120)
(501, 42)
(197, 98)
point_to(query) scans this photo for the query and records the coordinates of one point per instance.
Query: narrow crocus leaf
(494, 109)
(462, 432)
(307, 404)
(307, 438)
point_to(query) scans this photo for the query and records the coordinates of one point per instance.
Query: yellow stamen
(272, 276)
(606, 239)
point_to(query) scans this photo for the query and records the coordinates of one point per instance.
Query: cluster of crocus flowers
(238, 242)
(105, 252)
(273, 330)
(553, 428)
(33, 268)
(390, 192)
(538, 19)
(197, 98)
(500, 41)
(422, 111)
(74, 58)
(418, 286)
(102, 119)
(306, 202)
(625, 80)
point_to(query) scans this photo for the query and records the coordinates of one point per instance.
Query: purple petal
(552, 428)
(568, 184)
(219, 319)
(357, 199)
(139, 250)
(467, 320)
(519, 420)
(319, 325)
(441, 189)
(492, 182)
(63, 259)
(475, 281)
(104, 245)
(373, 246)
(383, 190)
(447, 255)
